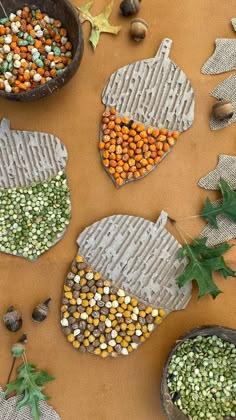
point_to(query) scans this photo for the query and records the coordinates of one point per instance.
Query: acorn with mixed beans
(100, 318)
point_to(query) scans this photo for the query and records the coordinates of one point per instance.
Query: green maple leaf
(99, 23)
(30, 383)
(227, 208)
(203, 261)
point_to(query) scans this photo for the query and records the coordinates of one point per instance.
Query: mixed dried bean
(129, 150)
(100, 318)
(34, 48)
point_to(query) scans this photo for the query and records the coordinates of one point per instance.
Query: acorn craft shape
(148, 104)
(34, 195)
(121, 285)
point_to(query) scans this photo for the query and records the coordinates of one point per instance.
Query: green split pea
(202, 378)
(33, 218)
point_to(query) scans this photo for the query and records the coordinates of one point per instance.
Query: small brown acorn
(138, 29)
(12, 319)
(40, 312)
(223, 110)
(129, 7)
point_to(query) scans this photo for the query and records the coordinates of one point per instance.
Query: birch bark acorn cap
(27, 157)
(138, 256)
(154, 91)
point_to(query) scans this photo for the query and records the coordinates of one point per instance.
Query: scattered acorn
(129, 7)
(18, 348)
(12, 319)
(138, 29)
(223, 110)
(40, 312)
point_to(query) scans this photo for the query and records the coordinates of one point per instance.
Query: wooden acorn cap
(227, 334)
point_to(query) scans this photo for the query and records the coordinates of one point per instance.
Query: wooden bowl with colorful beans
(198, 380)
(41, 47)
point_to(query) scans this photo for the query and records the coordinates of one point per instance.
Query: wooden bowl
(65, 12)
(171, 410)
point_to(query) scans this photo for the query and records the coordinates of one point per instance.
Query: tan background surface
(88, 387)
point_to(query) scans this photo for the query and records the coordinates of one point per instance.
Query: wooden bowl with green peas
(41, 47)
(199, 376)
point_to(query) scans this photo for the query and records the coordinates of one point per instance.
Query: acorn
(40, 312)
(18, 348)
(138, 29)
(129, 7)
(12, 319)
(223, 110)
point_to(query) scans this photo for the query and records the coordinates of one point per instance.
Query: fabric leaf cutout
(99, 23)
(223, 60)
(227, 208)
(203, 261)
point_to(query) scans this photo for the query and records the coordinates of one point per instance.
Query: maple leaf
(99, 23)
(227, 208)
(29, 382)
(203, 261)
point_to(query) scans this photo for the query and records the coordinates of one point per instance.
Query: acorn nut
(18, 348)
(12, 319)
(223, 110)
(40, 312)
(129, 7)
(138, 29)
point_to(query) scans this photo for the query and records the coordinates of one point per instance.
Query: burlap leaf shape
(8, 410)
(222, 60)
(226, 169)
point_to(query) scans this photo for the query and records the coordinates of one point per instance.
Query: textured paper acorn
(121, 285)
(34, 194)
(148, 104)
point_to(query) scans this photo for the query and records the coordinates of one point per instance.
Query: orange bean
(131, 162)
(148, 167)
(111, 170)
(113, 111)
(160, 153)
(143, 134)
(157, 159)
(105, 162)
(138, 158)
(136, 174)
(101, 145)
(106, 154)
(123, 175)
(113, 163)
(163, 131)
(125, 120)
(132, 133)
(126, 167)
(161, 137)
(150, 130)
(38, 44)
(119, 181)
(175, 135)
(132, 146)
(166, 147)
(134, 125)
(131, 152)
(142, 171)
(171, 141)
(140, 128)
(159, 145)
(144, 162)
(140, 144)
(155, 133)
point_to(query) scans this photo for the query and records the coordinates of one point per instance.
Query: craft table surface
(87, 387)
